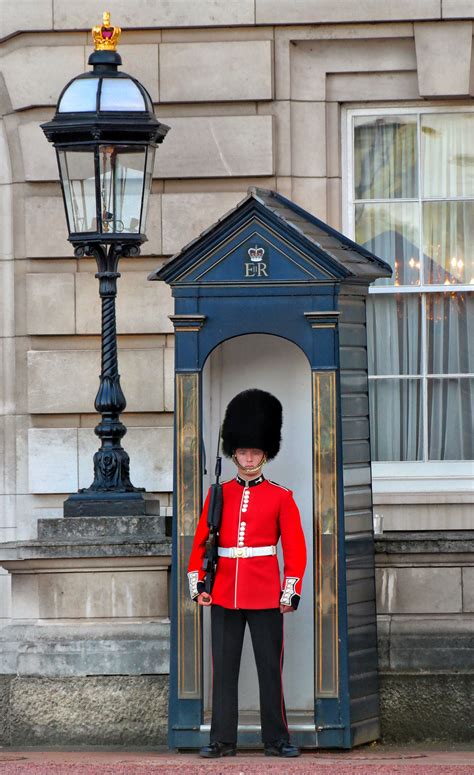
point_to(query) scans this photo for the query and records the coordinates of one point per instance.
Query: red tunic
(255, 515)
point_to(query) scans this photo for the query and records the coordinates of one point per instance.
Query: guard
(256, 514)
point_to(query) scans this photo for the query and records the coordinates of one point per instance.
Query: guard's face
(249, 458)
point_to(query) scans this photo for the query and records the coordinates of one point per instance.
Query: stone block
(153, 246)
(160, 13)
(283, 54)
(185, 216)
(407, 702)
(309, 12)
(13, 459)
(45, 228)
(19, 17)
(440, 74)
(142, 307)
(308, 139)
(419, 590)
(52, 460)
(5, 164)
(310, 193)
(39, 157)
(89, 710)
(5, 681)
(87, 648)
(457, 9)
(421, 644)
(80, 595)
(151, 457)
(344, 87)
(214, 72)
(140, 60)
(169, 379)
(334, 203)
(468, 589)
(64, 381)
(5, 589)
(50, 303)
(311, 61)
(6, 221)
(333, 140)
(57, 65)
(280, 109)
(216, 147)
(7, 318)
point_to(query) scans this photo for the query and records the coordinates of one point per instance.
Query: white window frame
(408, 477)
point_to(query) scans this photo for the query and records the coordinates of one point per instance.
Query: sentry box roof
(290, 245)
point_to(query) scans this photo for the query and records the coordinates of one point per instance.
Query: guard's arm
(196, 572)
(294, 551)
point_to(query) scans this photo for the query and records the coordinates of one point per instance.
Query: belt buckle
(240, 551)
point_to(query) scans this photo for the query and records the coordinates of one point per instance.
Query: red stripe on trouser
(283, 714)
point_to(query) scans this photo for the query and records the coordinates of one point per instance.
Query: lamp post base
(109, 504)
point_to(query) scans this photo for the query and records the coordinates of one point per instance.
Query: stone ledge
(52, 649)
(456, 541)
(426, 644)
(12, 551)
(77, 528)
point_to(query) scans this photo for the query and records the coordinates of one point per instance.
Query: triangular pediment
(257, 243)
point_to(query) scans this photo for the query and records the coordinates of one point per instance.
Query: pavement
(374, 759)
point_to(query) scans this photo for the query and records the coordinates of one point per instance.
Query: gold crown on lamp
(106, 36)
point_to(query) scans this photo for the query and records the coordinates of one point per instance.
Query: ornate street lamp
(105, 133)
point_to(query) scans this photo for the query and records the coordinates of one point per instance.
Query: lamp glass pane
(121, 94)
(78, 178)
(150, 161)
(80, 96)
(122, 172)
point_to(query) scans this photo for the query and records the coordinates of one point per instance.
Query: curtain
(447, 155)
(391, 232)
(385, 157)
(394, 347)
(420, 372)
(450, 341)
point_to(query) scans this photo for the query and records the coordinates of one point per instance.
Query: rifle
(214, 515)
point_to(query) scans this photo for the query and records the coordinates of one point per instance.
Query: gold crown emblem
(106, 36)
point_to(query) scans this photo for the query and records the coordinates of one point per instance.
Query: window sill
(434, 482)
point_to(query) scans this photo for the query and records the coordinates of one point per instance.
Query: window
(411, 202)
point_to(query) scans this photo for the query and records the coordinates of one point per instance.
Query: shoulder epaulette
(278, 485)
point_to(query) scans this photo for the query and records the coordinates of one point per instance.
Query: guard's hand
(284, 609)
(204, 599)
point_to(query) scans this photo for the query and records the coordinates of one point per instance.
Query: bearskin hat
(253, 419)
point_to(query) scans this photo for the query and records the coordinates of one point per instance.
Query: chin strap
(248, 469)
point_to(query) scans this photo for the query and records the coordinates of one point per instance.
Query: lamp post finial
(105, 35)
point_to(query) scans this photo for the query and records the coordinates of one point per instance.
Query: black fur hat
(253, 419)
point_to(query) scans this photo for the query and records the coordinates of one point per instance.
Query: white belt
(242, 552)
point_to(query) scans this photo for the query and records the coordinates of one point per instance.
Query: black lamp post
(105, 133)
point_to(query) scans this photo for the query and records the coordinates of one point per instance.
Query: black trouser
(266, 630)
